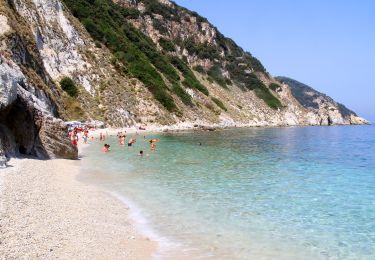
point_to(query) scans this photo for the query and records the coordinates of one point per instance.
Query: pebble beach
(46, 213)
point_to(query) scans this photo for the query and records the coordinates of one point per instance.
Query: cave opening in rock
(19, 132)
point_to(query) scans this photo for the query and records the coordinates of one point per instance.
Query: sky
(326, 44)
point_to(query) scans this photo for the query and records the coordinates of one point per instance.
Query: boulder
(208, 128)
(54, 140)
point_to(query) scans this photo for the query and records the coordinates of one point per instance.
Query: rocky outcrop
(27, 125)
(28, 111)
(57, 40)
(323, 109)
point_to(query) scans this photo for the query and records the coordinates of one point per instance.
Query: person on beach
(106, 148)
(74, 138)
(85, 136)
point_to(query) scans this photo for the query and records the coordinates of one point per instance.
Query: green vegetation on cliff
(253, 83)
(190, 80)
(219, 103)
(106, 22)
(111, 24)
(274, 86)
(68, 85)
(225, 55)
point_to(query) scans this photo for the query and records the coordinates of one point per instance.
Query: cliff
(131, 62)
(330, 111)
(29, 98)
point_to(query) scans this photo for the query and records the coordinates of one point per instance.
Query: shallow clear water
(275, 193)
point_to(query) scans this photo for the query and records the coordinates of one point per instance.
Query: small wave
(167, 247)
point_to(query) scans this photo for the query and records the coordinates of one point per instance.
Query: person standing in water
(153, 144)
(121, 138)
(85, 136)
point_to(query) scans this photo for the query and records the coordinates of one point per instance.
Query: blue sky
(329, 45)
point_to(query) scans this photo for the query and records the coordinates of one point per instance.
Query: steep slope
(66, 50)
(130, 62)
(195, 72)
(29, 99)
(329, 110)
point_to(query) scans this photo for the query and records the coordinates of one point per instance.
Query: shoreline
(166, 248)
(202, 127)
(45, 212)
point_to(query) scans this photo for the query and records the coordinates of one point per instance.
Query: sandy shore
(46, 213)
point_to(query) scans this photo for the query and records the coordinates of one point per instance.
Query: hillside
(317, 101)
(128, 62)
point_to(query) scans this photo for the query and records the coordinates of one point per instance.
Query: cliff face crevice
(28, 108)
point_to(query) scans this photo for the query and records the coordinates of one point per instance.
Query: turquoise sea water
(274, 193)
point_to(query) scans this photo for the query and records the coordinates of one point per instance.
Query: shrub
(267, 97)
(216, 74)
(274, 86)
(255, 64)
(167, 45)
(155, 7)
(253, 83)
(158, 25)
(182, 94)
(68, 85)
(199, 69)
(202, 50)
(190, 80)
(219, 103)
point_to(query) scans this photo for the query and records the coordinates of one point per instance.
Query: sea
(250, 193)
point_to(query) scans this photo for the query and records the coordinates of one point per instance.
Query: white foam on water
(168, 249)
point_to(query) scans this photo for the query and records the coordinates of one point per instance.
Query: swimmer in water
(121, 138)
(132, 141)
(106, 148)
(153, 144)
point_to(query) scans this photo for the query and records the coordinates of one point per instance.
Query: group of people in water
(121, 139)
(75, 134)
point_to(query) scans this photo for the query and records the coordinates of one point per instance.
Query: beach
(222, 201)
(45, 212)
